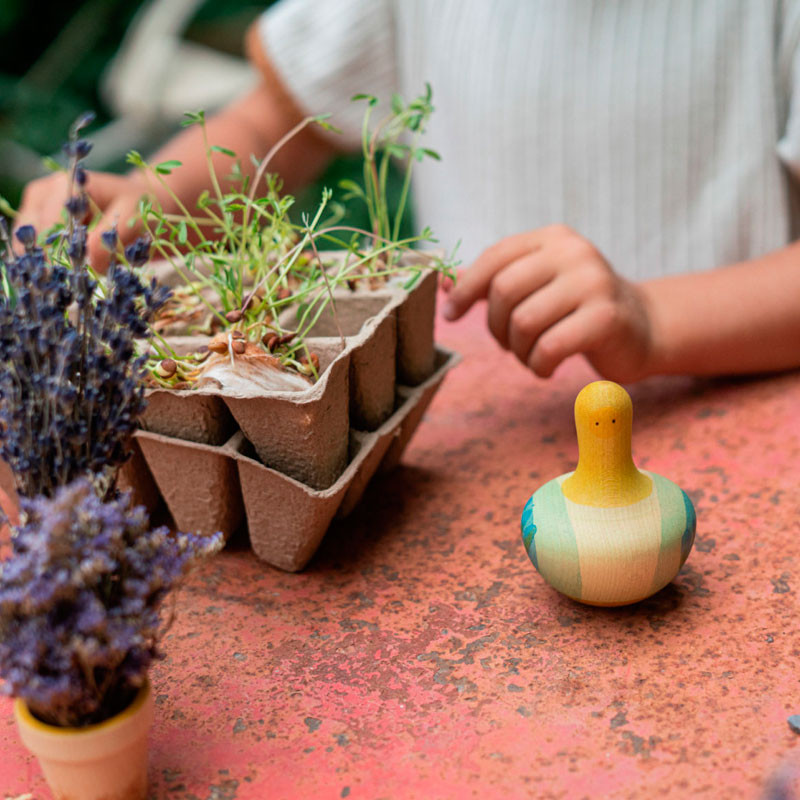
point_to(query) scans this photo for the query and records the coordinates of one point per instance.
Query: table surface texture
(421, 655)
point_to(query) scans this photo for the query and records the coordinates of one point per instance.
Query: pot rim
(26, 718)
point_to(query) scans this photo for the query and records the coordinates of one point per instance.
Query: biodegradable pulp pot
(286, 518)
(107, 761)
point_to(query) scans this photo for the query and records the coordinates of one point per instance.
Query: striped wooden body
(609, 556)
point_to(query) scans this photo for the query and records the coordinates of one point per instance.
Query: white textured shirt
(665, 131)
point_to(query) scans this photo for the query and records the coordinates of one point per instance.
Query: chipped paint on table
(421, 655)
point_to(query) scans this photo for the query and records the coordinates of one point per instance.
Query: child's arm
(551, 294)
(735, 319)
(251, 124)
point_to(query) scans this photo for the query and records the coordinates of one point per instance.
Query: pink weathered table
(420, 655)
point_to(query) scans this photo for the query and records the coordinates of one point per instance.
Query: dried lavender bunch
(80, 603)
(70, 378)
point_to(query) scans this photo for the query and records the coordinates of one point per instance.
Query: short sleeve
(324, 53)
(788, 84)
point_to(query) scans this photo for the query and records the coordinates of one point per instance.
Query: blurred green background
(55, 60)
(52, 58)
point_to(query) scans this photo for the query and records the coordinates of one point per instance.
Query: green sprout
(244, 261)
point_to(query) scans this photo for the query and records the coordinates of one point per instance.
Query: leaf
(182, 233)
(412, 281)
(52, 165)
(350, 185)
(146, 207)
(193, 118)
(352, 189)
(135, 158)
(327, 126)
(166, 167)
(397, 150)
(397, 103)
(371, 99)
(431, 153)
(224, 150)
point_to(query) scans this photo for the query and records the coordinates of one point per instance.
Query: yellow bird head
(606, 474)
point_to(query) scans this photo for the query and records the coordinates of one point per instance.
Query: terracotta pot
(107, 761)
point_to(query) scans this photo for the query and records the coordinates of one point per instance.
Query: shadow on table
(664, 602)
(388, 501)
(660, 402)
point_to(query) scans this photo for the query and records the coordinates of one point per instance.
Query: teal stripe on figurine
(607, 534)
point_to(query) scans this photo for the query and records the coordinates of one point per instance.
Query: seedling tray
(387, 338)
(218, 487)
(285, 463)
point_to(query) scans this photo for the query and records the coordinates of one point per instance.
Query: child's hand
(115, 196)
(551, 294)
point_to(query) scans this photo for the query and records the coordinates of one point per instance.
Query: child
(665, 135)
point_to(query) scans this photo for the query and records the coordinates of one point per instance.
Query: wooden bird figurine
(607, 534)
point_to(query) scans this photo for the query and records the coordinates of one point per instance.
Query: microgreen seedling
(244, 261)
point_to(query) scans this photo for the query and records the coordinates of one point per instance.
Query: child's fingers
(446, 283)
(474, 283)
(119, 212)
(104, 188)
(42, 203)
(535, 315)
(577, 332)
(510, 287)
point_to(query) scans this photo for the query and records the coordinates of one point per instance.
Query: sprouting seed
(270, 341)
(314, 360)
(166, 368)
(218, 345)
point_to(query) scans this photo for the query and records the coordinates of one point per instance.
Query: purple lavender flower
(70, 380)
(70, 383)
(138, 253)
(26, 235)
(80, 602)
(109, 239)
(78, 206)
